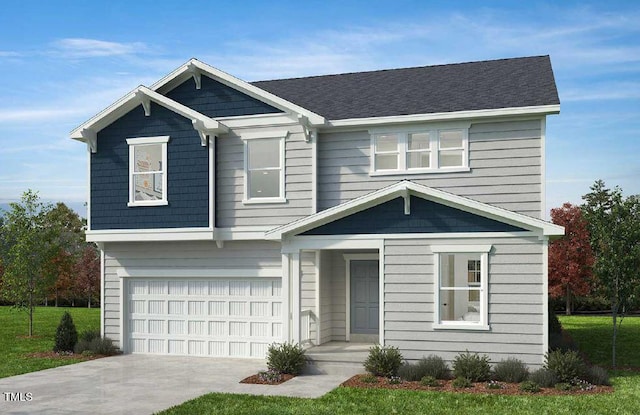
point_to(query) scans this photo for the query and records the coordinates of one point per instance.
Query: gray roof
(503, 83)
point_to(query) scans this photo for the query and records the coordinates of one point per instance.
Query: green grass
(591, 333)
(16, 345)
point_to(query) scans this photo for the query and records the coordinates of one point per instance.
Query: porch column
(295, 295)
(286, 295)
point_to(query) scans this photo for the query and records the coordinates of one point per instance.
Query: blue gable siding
(215, 99)
(187, 169)
(426, 217)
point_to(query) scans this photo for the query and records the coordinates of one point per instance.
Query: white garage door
(204, 317)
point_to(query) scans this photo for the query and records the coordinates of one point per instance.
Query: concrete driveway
(143, 384)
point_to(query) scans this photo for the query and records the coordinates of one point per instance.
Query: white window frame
(434, 149)
(483, 251)
(142, 141)
(247, 138)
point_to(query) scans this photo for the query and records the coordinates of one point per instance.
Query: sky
(61, 62)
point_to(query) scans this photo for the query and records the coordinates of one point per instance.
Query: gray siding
(515, 302)
(308, 277)
(326, 297)
(231, 212)
(181, 255)
(505, 160)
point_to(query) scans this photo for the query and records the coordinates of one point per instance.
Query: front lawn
(16, 345)
(591, 333)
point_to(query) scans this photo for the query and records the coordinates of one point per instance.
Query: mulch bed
(255, 380)
(64, 356)
(480, 387)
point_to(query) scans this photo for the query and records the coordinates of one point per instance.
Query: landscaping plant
(383, 361)
(544, 378)
(511, 370)
(286, 358)
(566, 366)
(472, 366)
(66, 335)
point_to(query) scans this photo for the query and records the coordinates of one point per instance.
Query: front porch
(337, 358)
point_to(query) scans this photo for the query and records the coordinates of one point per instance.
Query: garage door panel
(204, 317)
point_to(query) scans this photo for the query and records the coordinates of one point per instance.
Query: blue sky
(62, 62)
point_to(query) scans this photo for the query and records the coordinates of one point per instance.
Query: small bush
(529, 386)
(543, 378)
(461, 382)
(383, 361)
(564, 386)
(492, 384)
(394, 380)
(511, 370)
(97, 345)
(430, 381)
(435, 366)
(597, 376)
(66, 334)
(368, 378)
(472, 366)
(286, 358)
(410, 372)
(89, 335)
(554, 323)
(565, 365)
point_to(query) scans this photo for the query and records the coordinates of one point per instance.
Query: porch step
(337, 358)
(333, 368)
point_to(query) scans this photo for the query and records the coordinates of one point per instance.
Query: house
(399, 206)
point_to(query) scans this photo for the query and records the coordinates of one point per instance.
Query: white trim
(347, 259)
(317, 300)
(151, 272)
(123, 308)
(286, 299)
(148, 235)
(461, 235)
(281, 136)
(314, 173)
(295, 300)
(148, 141)
(88, 188)
(241, 233)
(295, 244)
(102, 288)
(381, 278)
(545, 296)
(420, 171)
(401, 188)
(444, 116)
(483, 250)
(212, 181)
(264, 134)
(543, 167)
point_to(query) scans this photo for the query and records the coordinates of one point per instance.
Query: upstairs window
(148, 171)
(421, 151)
(264, 170)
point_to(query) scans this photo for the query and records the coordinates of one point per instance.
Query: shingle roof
(503, 83)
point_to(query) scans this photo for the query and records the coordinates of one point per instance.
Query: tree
(29, 249)
(87, 271)
(570, 258)
(614, 225)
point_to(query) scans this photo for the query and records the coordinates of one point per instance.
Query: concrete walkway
(143, 384)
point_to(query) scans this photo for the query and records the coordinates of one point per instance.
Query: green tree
(29, 248)
(614, 225)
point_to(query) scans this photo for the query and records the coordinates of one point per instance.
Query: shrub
(369, 378)
(410, 372)
(394, 380)
(543, 378)
(383, 361)
(597, 376)
(565, 365)
(97, 345)
(529, 386)
(89, 335)
(432, 366)
(564, 386)
(66, 334)
(471, 366)
(430, 381)
(554, 323)
(492, 384)
(511, 370)
(286, 358)
(461, 382)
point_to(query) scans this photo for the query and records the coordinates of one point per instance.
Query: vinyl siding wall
(308, 292)
(231, 212)
(178, 255)
(515, 301)
(505, 160)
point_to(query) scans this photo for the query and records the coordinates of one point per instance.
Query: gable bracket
(407, 201)
(309, 133)
(195, 74)
(91, 138)
(145, 101)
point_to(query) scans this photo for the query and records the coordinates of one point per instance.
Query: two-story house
(403, 207)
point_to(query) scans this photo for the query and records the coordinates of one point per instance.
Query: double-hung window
(461, 278)
(423, 150)
(148, 171)
(264, 168)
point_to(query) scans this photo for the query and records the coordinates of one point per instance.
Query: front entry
(364, 296)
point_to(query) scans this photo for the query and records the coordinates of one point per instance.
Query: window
(264, 170)
(148, 171)
(421, 151)
(461, 274)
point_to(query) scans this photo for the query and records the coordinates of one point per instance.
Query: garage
(235, 317)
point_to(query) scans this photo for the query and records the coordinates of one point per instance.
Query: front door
(364, 296)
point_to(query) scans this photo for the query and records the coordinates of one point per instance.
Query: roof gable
(473, 86)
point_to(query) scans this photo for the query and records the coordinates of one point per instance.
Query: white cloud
(92, 48)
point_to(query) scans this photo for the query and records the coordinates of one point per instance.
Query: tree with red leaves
(570, 258)
(87, 271)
